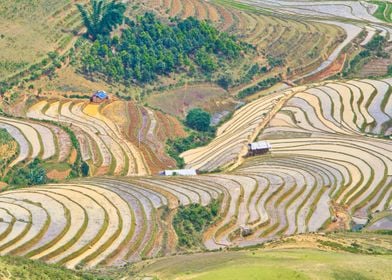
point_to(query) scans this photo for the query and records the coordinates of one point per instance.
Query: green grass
(270, 264)
(384, 11)
(251, 272)
(19, 268)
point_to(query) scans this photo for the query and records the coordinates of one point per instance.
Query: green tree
(389, 69)
(102, 16)
(32, 174)
(198, 119)
(36, 174)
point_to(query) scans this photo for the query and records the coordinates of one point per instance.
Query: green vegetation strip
(190, 221)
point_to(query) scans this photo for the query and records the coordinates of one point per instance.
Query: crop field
(328, 172)
(330, 164)
(350, 10)
(35, 140)
(302, 44)
(120, 138)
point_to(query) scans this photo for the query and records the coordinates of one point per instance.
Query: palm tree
(102, 17)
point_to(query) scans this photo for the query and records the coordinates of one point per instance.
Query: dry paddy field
(119, 138)
(331, 163)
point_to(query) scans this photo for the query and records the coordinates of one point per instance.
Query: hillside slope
(328, 169)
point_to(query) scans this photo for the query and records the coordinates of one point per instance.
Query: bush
(376, 44)
(190, 222)
(225, 81)
(32, 174)
(198, 119)
(174, 147)
(389, 69)
(264, 84)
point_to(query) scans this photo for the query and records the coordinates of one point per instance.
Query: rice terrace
(196, 139)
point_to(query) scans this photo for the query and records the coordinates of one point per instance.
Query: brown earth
(335, 68)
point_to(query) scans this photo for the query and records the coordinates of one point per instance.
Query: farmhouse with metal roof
(258, 148)
(99, 96)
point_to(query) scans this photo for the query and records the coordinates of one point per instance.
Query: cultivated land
(119, 138)
(329, 169)
(330, 165)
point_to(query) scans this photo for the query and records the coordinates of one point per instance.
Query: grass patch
(20, 268)
(269, 264)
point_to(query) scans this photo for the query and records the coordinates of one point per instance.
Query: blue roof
(101, 94)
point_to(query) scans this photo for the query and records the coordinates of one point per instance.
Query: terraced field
(120, 138)
(91, 222)
(303, 44)
(374, 13)
(36, 140)
(331, 163)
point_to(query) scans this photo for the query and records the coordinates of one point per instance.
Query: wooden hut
(258, 148)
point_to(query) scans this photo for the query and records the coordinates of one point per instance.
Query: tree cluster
(32, 174)
(190, 221)
(149, 48)
(264, 84)
(198, 119)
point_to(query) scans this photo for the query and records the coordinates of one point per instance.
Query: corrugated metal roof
(182, 172)
(261, 145)
(101, 94)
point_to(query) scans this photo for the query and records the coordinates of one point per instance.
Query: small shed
(180, 172)
(99, 97)
(258, 148)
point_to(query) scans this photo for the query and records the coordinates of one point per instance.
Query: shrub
(32, 174)
(190, 222)
(174, 147)
(264, 84)
(198, 119)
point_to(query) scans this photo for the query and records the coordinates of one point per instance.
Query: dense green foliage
(190, 222)
(375, 48)
(384, 10)
(17, 268)
(27, 175)
(174, 147)
(264, 84)
(376, 44)
(102, 17)
(149, 48)
(198, 119)
(389, 69)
